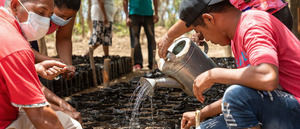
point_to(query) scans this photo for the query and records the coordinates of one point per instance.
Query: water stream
(141, 93)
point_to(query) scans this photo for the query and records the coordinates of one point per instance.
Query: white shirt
(96, 13)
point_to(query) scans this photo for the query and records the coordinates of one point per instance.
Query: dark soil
(110, 107)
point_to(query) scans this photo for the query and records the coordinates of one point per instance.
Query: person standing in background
(141, 14)
(102, 16)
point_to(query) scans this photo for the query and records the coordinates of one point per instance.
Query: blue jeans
(244, 107)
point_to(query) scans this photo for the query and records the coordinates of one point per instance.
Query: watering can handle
(205, 45)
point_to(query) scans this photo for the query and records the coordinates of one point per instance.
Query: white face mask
(59, 21)
(35, 27)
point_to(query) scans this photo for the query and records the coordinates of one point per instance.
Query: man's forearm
(57, 103)
(64, 51)
(178, 29)
(43, 118)
(40, 57)
(102, 7)
(155, 3)
(211, 110)
(261, 77)
(125, 7)
(51, 97)
(64, 42)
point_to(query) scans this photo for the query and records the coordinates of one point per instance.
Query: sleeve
(21, 80)
(260, 46)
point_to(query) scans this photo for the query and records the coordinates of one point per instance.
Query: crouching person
(265, 91)
(23, 104)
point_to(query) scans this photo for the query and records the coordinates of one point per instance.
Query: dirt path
(121, 46)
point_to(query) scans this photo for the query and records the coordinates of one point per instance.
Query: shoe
(136, 67)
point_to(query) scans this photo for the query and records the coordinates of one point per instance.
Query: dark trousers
(137, 22)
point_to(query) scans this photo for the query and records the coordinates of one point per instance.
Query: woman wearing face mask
(62, 21)
(23, 104)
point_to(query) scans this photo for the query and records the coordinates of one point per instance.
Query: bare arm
(64, 42)
(178, 29)
(211, 110)
(155, 3)
(52, 98)
(260, 77)
(155, 17)
(103, 11)
(59, 104)
(188, 118)
(43, 118)
(125, 7)
(64, 47)
(40, 57)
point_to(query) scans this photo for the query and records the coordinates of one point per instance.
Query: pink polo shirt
(262, 38)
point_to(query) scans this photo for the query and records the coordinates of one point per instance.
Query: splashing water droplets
(143, 91)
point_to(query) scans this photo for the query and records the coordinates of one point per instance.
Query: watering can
(183, 63)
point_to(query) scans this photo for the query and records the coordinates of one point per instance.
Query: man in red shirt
(277, 8)
(265, 91)
(23, 104)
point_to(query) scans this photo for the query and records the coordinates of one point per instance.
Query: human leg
(135, 29)
(95, 39)
(246, 108)
(106, 50)
(217, 122)
(150, 33)
(106, 37)
(96, 34)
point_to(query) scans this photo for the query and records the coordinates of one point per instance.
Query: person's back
(259, 29)
(12, 44)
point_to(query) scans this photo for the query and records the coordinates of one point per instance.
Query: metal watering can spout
(161, 82)
(184, 62)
